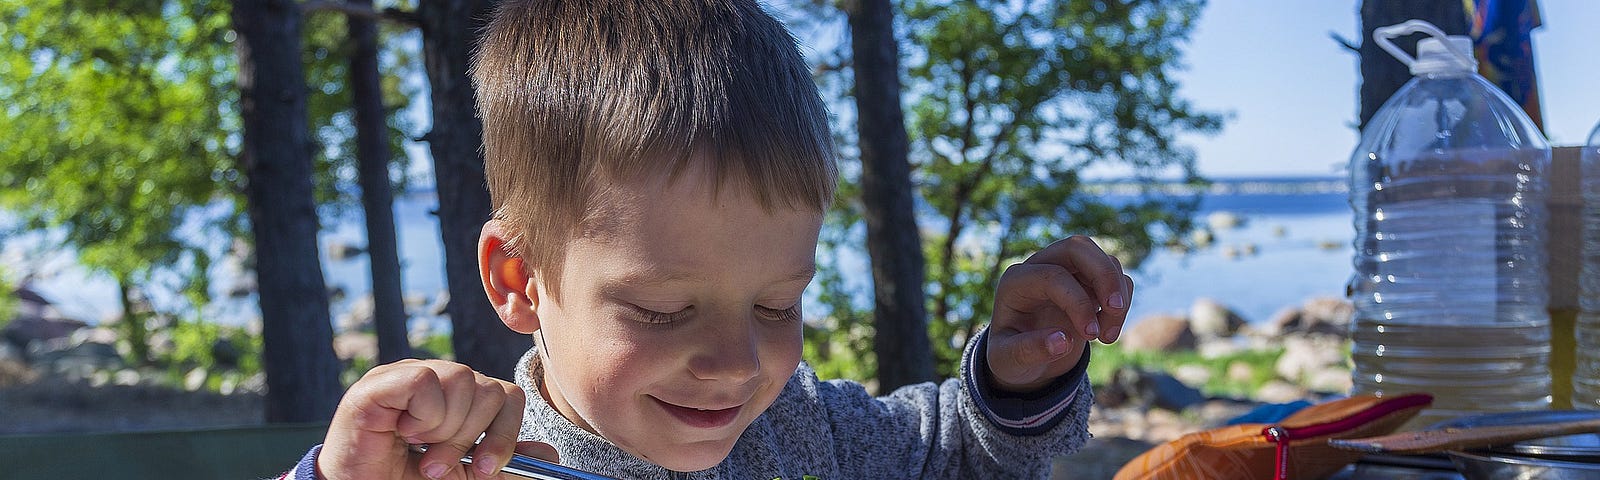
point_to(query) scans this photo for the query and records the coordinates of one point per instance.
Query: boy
(659, 171)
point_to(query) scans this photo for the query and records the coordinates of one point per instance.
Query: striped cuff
(1022, 414)
(306, 469)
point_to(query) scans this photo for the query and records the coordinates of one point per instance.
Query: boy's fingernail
(1056, 344)
(485, 463)
(1115, 300)
(1111, 335)
(1093, 330)
(434, 471)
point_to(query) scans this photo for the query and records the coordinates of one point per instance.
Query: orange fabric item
(1296, 447)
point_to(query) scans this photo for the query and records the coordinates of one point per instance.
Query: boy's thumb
(1016, 355)
(539, 450)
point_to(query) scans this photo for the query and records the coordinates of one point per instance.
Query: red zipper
(1282, 436)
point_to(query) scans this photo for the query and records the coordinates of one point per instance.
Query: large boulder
(1305, 356)
(1162, 333)
(1144, 389)
(353, 345)
(1211, 319)
(1318, 316)
(360, 316)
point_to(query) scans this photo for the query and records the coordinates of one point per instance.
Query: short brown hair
(576, 94)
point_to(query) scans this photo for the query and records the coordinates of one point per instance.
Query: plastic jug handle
(1385, 35)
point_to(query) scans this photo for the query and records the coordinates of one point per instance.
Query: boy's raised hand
(442, 404)
(1047, 307)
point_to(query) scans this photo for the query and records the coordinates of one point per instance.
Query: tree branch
(388, 14)
(1344, 42)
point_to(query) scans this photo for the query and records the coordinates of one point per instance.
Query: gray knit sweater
(835, 430)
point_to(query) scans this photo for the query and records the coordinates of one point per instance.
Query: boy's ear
(505, 279)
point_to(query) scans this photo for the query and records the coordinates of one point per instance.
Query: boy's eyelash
(787, 315)
(646, 315)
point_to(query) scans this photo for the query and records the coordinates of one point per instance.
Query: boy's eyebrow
(660, 276)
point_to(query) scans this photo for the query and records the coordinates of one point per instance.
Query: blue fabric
(1270, 413)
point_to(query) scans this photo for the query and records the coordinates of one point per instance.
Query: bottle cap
(1439, 53)
(1434, 57)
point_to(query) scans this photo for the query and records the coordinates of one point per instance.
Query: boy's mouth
(700, 418)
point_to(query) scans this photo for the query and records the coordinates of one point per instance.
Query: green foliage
(123, 126)
(1008, 104)
(119, 117)
(1012, 102)
(1109, 358)
(194, 345)
(840, 344)
(8, 303)
(437, 345)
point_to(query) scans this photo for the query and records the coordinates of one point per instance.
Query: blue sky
(1292, 89)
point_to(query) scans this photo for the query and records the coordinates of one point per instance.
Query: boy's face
(679, 324)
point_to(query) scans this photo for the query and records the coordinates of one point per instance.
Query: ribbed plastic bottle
(1586, 377)
(1448, 189)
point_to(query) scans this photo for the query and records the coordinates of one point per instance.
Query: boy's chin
(692, 457)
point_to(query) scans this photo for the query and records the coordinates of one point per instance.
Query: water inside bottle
(1450, 291)
(1586, 378)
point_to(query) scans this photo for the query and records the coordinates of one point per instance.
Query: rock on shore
(1153, 406)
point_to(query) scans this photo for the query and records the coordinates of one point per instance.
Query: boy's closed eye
(642, 314)
(783, 315)
(646, 315)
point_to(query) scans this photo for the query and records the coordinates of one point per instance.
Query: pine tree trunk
(893, 242)
(1381, 73)
(302, 373)
(449, 31)
(372, 166)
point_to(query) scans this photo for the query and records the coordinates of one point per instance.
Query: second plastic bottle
(1586, 379)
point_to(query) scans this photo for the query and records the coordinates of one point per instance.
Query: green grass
(1108, 358)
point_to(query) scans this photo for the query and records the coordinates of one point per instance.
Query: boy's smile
(677, 322)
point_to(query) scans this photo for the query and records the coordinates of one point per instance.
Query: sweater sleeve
(961, 428)
(306, 469)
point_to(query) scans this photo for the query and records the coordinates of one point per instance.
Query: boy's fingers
(484, 404)
(1022, 358)
(459, 387)
(1111, 320)
(1102, 273)
(423, 405)
(500, 439)
(1041, 288)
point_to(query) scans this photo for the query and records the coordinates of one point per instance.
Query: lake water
(1300, 231)
(1298, 228)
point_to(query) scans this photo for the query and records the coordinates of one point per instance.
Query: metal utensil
(1465, 437)
(1495, 466)
(529, 467)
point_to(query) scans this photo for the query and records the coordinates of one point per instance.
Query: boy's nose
(727, 351)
